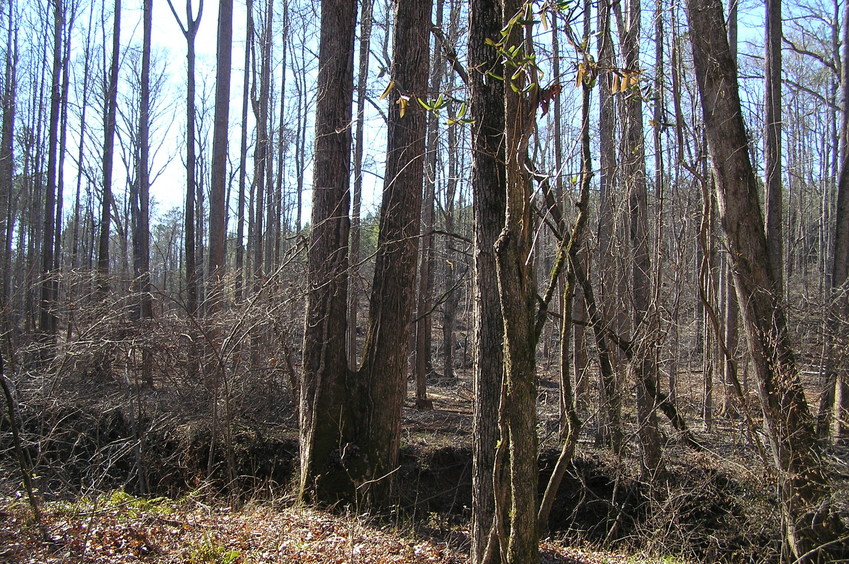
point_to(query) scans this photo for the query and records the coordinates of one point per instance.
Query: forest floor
(714, 504)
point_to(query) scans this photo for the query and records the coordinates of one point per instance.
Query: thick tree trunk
(486, 108)
(811, 528)
(383, 375)
(326, 435)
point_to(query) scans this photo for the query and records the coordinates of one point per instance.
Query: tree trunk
(141, 225)
(108, 150)
(190, 260)
(49, 285)
(243, 156)
(326, 435)
(772, 142)
(634, 175)
(424, 300)
(7, 172)
(517, 289)
(486, 106)
(218, 179)
(383, 375)
(610, 429)
(810, 525)
(366, 22)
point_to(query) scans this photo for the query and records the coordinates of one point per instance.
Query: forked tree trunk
(382, 378)
(189, 31)
(811, 528)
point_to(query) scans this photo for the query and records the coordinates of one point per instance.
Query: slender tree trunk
(366, 21)
(425, 289)
(840, 263)
(108, 153)
(49, 285)
(610, 429)
(218, 188)
(772, 141)
(634, 174)
(810, 525)
(7, 175)
(243, 155)
(141, 230)
(488, 191)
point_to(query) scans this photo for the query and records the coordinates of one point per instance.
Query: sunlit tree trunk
(326, 434)
(486, 99)
(49, 285)
(644, 317)
(772, 141)
(517, 289)
(383, 374)
(218, 179)
(243, 155)
(366, 22)
(803, 485)
(423, 361)
(108, 152)
(190, 261)
(610, 429)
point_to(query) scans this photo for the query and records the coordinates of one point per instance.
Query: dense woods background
(593, 253)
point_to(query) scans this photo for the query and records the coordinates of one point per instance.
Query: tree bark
(49, 285)
(811, 528)
(610, 429)
(517, 292)
(383, 374)
(424, 299)
(218, 178)
(486, 108)
(326, 435)
(141, 225)
(366, 22)
(108, 150)
(634, 175)
(772, 142)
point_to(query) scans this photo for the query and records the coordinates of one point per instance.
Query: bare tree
(109, 122)
(190, 30)
(811, 528)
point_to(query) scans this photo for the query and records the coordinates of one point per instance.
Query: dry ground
(716, 505)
